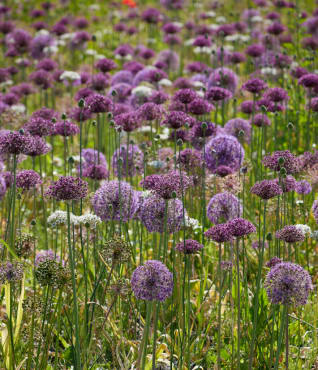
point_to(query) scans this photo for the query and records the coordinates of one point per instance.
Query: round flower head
(97, 103)
(287, 183)
(115, 200)
(68, 188)
(224, 150)
(175, 119)
(248, 107)
(152, 281)
(260, 120)
(10, 272)
(96, 172)
(149, 112)
(44, 255)
(3, 186)
(239, 227)
(314, 104)
(266, 189)
(224, 207)
(309, 80)
(303, 187)
(276, 95)
(14, 142)
(290, 234)
(200, 106)
(238, 127)
(27, 179)
(255, 50)
(219, 233)
(153, 210)
(273, 261)
(223, 77)
(189, 246)
(170, 60)
(216, 94)
(65, 128)
(185, 96)
(282, 159)
(128, 121)
(105, 65)
(127, 163)
(288, 283)
(254, 86)
(38, 126)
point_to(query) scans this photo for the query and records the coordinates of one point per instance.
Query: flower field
(158, 180)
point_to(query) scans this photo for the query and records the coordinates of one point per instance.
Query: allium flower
(219, 233)
(259, 244)
(41, 78)
(105, 65)
(254, 86)
(58, 218)
(200, 106)
(151, 15)
(153, 210)
(66, 128)
(223, 207)
(290, 234)
(236, 127)
(44, 255)
(115, 250)
(266, 189)
(288, 283)
(276, 95)
(185, 96)
(3, 185)
(314, 209)
(38, 126)
(226, 265)
(287, 183)
(27, 179)
(309, 80)
(282, 159)
(96, 172)
(10, 272)
(248, 107)
(272, 262)
(91, 156)
(314, 104)
(24, 245)
(239, 227)
(89, 220)
(14, 142)
(152, 281)
(224, 150)
(303, 187)
(149, 112)
(255, 50)
(169, 59)
(115, 200)
(127, 121)
(68, 188)
(175, 119)
(216, 94)
(99, 82)
(189, 246)
(223, 77)
(127, 163)
(261, 120)
(97, 103)
(52, 273)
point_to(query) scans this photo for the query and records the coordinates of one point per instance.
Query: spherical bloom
(254, 86)
(189, 246)
(314, 104)
(202, 42)
(315, 210)
(97, 103)
(27, 179)
(248, 107)
(169, 59)
(68, 188)
(287, 183)
(288, 283)
(175, 119)
(266, 189)
(223, 77)
(189, 159)
(255, 50)
(115, 200)
(185, 96)
(44, 255)
(151, 15)
(59, 218)
(153, 213)
(127, 121)
(119, 92)
(38, 126)
(290, 234)
(216, 94)
(273, 261)
(238, 127)
(91, 156)
(282, 159)
(152, 281)
(276, 95)
(66, 128)
(219, 233)
(3, 185)
(223, 207)
(303, 187)
(236, 57)
(127, 163)
(14, 142)
(239, 227)
(105, 65)
(200, 106)
(260, 120)
(276, 28)
(99, 81)
(224, 150)
(309, 80)
(41, 78)
(89, 220)
(10, 272)
(96, 172)
(149, 112)
(172, 4)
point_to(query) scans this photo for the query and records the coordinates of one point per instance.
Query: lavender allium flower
(309, 80)
(200, 106)
(27, 179)
(282, 159)
(115, 200)
(254, 86)
(226, 265)
(272, 262)
(288, 283)
(14, 142)
(260, 120)
(152, 281)
(38, 126)
(223, 207)
(99, 81)
(149, 112)
(276, 95)
(151, 15)
(224, 150)
(97, 103)
(96, 172)
(3, 185)
(41, 78)
(290, 234)
(314, 104)
(10, 272)
(255, 50)
(169, 59)
(223, 77)
(239, 227)
(216, 94)
(105, 65)
(185, 96)
(189, 246)
(66, 128)
(44, 255)
(236, 126)
(266, 189)
(219, 233)
(175, 119)
(91, 156)
(153, 210)
(128, 121)
(303, 187)
(248, 107)
(314, 209)
(127, 163)
(287, 183)
(68, 188)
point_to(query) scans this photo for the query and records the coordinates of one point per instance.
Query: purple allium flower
(18, 39)
(272, 262)
(255, 50)
(216, 94)
(149, 112)
(256, 244)
(152, 281)
(239, 227)
(202, 41)
(99, 81)
(91, 156)
(290, 234)
(151, 15)
(45, 255)
(14, 142)
(127, 163)
(314, 209)
(119, 92)
(105, 65)
(309, 80)
(223, 77)
(146, 53)
(303, 187)
(287, 183)
(79, 114)
(81, 23)
(10, 99)
(254, 85)
(133, 67)
(226, 265)
(115, 200)
(159, 97)
(123, 50)
(66, 128)
(83, 93)
(248, 107)
(219, 233)
(175, 119)
(238, 127)
(79, 39)
(172, 39)
(27, 179)
(170, 59)
(314, 104)
(38, 147)
(127, 121)
(47, 65)
(310, 43)
(185, 96)
(172, 4)
(266, 189)
(196, 67)
(236, 57)
(122, 77)
(38, 126)
(41, 78)
(3, 185)
(261, 120)
(276, 95)
(68, 188)
(4, 75)
(200, 106)
(288, 283)
(97, 103)
(10, 272)
(189, 159)
(282, 159)
(6, 27)
(59, 29)
(153, 214)
(223, 150)
(96, 172)
(23, 89)
(276, 28)
(189, 246)
(223, 207)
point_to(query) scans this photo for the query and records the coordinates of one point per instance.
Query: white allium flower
(42, 32)
(94, 7)
(60, 218)
(203, 50)
(200, 93)
(256, 19)
(210, 14)
(18, 108)
(220, 19)
(189, 42)
(70, 76)
(90, 219)
(305, 229)
(165, 82)
(91, 52)
(268, 71)
(192, 223)
(126, 57)
(198, 84)
(99, 56)
(165, 134)
(142, 91)
(6, 83)
(67, 36)
(314, 234)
